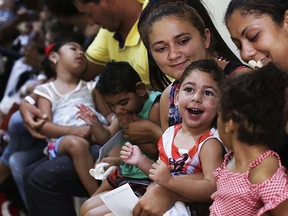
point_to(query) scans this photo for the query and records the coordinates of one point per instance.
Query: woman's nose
(174, 53)
(247, 52)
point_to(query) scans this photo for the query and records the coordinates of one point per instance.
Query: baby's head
(255, 103)
(206, 66)
(198, 95)
(122, 88)
(67, 53)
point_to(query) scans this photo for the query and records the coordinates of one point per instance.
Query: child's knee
(74, 145)
(91, 205)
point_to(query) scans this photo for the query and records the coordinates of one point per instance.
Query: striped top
(182, 161)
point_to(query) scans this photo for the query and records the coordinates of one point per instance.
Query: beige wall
(217, 10)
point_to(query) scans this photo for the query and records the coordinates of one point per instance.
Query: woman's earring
(55, 62)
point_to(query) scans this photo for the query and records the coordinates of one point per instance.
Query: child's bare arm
(51, 130)
(140, 132)
(101, 134)
(132, 154)
(200, 188)
(264, 172)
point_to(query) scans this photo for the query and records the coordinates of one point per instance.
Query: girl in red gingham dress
(251, 180)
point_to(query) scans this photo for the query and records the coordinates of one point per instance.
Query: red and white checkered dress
(237, 196)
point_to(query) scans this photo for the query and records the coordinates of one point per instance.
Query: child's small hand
(160, 173)
(130, 153)
(81, 131)
(86, 114)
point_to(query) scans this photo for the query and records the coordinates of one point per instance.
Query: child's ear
(53, 57)
(176, 97)
(229, 126)
(140, 89)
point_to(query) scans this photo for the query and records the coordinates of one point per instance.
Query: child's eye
(188, 89)
(124, 102)
(208, 93)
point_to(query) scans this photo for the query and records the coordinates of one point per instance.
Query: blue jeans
(20, 138)
(22, 150)
(51, 184)
(19, 161)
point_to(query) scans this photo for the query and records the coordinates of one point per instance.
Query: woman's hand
(156, 201)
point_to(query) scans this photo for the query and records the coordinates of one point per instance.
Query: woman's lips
(180, 66)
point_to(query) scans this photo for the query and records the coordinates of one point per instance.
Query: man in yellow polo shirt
(118, 39)
(106, 47)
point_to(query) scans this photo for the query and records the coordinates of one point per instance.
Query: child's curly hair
(256, 101)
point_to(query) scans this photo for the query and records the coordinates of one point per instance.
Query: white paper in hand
(121, 201)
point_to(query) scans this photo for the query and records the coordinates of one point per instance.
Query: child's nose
(196, 98)
(118, 109)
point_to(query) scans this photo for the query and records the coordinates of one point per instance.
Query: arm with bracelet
(33, 118)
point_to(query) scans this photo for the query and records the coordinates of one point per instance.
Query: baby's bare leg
(78, 149)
